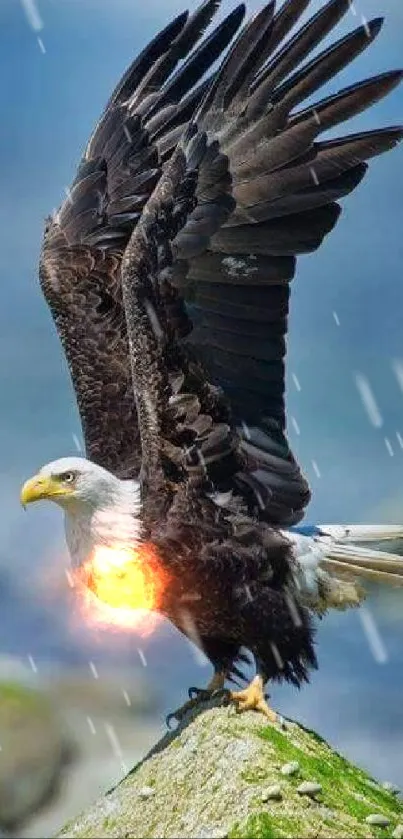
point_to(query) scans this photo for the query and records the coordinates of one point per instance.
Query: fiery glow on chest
(123, 586)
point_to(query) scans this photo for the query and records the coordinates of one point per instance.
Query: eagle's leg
(198, 695)
(253, 699)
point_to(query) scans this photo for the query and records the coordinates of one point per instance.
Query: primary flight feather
(167, 271)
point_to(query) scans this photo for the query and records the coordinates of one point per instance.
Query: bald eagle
(167, 271)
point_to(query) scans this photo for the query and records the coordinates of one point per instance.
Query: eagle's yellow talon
(253, 699)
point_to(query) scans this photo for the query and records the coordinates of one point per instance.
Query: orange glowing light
(122, 586)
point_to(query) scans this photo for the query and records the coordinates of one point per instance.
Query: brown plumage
(167, 271)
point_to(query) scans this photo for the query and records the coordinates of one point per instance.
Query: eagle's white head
(100, 509)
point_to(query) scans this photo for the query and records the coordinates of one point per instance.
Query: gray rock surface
(209, 778)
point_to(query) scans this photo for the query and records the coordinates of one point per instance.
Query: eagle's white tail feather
(352, 562)
(362, 532)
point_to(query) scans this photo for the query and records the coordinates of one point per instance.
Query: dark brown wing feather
(210, 303)
(286, 185)
(84, 243)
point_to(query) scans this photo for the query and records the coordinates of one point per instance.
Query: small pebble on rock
(309, 788)
(398, 832)
(290, 768)
(146, 792)
(378, 820)
(272, 793)
(390, 788)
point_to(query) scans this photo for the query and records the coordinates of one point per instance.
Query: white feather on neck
(116, 521)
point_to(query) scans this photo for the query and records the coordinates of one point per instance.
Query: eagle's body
(168, 272)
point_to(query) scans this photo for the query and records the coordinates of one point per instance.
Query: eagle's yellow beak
(40, 487)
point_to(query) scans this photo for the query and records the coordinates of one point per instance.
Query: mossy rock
(208, 779)
(34, 750)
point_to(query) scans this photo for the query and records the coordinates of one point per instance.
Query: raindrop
(397, 367)
(366, 26)
(69, 578)
(94, 670)
(296, 382)
(374, 639)
(77, 442)
(67, 191)
(127, 133)
(190, 629)
(32, 664)
(126, 697)
(142, 657)
(388, 446)
(114, 741)
(32, 14)
(314, 175)
(316, 116)
(245, 430)
(91, 725)
(295, 425)
(315, 468)
(293, 610)
(248, 594)
(368, 400)
(276, 655)
(336, 318)
(153, 318)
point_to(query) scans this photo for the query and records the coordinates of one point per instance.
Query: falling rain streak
(388, 445)
(397, 367)
(245, 430)
(114, 741)
(374, 639)
(126, 697)
(295, 425)
(94, 670)
(142, 657)
(91, 726)
(153, 318)
(399, 439)
(32, 14)
(314, 175)
(366, 26)
(292, 607)
(336, 318)
(32, 664)
(192, 633)
(368, 400)
(316, 469)
(77, 443)
(69, 578)
(276, 655)
(296, 382)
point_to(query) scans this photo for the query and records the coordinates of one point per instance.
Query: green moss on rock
(208, 779)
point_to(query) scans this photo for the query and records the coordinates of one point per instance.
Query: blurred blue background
(346, 319)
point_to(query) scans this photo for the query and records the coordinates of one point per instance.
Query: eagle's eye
(67, 477)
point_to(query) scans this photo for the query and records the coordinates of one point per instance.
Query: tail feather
(350, 561)
(362, 532)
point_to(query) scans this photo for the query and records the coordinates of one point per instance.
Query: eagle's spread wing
(84, 243)
(249, 189)
(220, 276)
